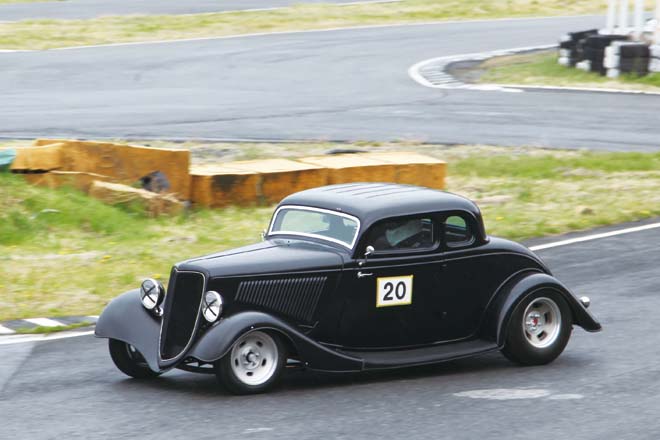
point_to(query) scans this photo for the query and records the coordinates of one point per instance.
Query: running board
(374, 360)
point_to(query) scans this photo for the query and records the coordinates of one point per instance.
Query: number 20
(399, 291)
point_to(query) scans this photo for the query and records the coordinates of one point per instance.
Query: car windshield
(318, 223)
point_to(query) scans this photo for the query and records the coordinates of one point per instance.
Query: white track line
(575, 89)
(44, 322)
(595, 237)
(52, 337)
(6, 331)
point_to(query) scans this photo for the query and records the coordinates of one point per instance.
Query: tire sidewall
(519, 349)
(126, 364)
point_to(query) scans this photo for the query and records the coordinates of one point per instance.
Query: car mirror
(263, 235)
(368, 251)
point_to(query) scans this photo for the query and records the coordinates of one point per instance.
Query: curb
(15, 326)
(435, 73)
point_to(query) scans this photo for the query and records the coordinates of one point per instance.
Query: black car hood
(271, 256)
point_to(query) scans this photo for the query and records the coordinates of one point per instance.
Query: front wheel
(253, 365)
(129, 360)
(538, 329)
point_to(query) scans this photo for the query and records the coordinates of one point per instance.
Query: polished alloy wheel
(542, 322)
(254, 358)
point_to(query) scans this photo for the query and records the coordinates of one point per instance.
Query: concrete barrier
(155, 204)
(253, 182)
(83, 165)
(122, 163)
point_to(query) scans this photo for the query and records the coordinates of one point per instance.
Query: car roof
(371, 202)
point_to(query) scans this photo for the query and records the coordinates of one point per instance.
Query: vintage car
(348, 278)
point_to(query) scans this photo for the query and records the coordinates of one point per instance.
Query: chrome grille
(293, 297)
(180, 312)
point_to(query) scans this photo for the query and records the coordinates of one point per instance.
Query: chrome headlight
(151, 293)
(212, 306)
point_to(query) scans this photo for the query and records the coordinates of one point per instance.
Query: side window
(457, 231)
(401, 234)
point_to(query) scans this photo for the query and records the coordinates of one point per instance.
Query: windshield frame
(308, 235)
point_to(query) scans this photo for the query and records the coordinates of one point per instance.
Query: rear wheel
(253, 365)
(538, 329)
(129, 360)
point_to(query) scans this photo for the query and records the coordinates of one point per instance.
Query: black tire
(233, 375)
(520, 349)
(129, 360)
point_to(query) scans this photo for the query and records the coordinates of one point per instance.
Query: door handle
(363, 274)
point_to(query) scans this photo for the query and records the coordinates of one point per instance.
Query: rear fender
(515, 290)
(218, 340)
(126, 320)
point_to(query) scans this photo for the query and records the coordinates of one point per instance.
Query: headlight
(212, 306)
(151, 293)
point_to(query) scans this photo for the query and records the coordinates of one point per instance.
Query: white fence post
(656, 37)
(623, 16)
(639, 19)
(611, 16)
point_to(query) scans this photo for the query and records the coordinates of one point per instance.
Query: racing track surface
(335, 85)
(604, 386)
(84, 9)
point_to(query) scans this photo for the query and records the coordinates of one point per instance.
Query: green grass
(63, 253)
(543, 69)
(45, 34)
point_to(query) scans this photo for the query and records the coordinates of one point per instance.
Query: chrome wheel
(254, 358)
(542, 322)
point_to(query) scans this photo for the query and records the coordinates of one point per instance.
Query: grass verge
(542, 69)
(46, 34)
(62, 253)
(61, 328)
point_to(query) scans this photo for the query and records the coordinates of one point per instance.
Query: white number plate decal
(394, 291)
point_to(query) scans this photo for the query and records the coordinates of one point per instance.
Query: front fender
(218, 340)
(126, 320)
(516, 289)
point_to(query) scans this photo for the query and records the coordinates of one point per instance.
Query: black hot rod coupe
(348, 278)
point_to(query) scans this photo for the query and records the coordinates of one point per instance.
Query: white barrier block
(563, 61)
(584, 65)
(655, 51)
(564, 53)
(654, 65)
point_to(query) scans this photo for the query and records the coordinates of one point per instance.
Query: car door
(390, 299)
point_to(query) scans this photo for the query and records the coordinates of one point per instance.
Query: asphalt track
(336, 85)
(604, 386)
(85, 9)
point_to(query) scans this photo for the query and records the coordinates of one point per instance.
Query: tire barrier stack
(627, 57)
(164, 181)
(592, 52)
(569, 54)
(654, 61)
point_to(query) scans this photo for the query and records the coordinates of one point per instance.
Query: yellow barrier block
(123, 163)
(155, 204)
(415, 169)
(43, 158)
(253, 182)
(346, 168)
(42, 142)
(280, 177)
(219, 185)
(57, 179)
